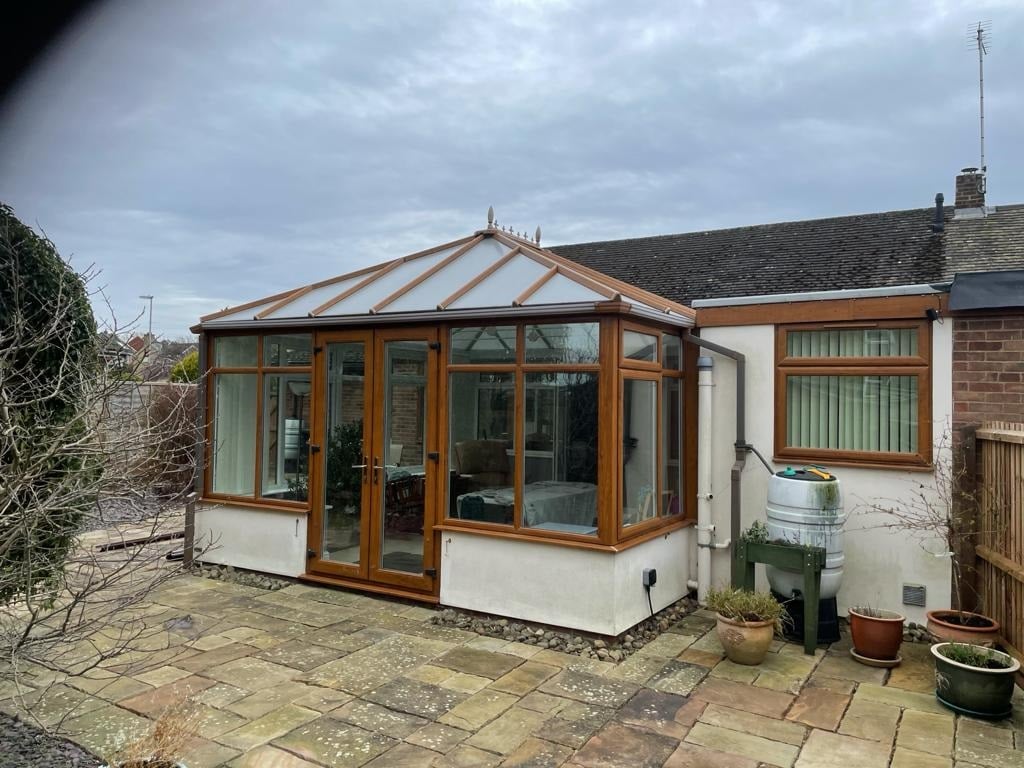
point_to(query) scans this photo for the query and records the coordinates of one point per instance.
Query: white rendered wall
(878, 561)
(261, 540)
(570, 587)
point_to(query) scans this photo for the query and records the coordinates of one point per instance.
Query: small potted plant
(877, 636)
(746, 623)
(974, 680)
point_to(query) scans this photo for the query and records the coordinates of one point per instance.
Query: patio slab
(309, 677)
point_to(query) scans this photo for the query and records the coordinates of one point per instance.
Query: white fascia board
(851, 293)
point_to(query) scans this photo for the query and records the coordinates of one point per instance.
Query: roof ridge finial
(536, 235)
(490, 217)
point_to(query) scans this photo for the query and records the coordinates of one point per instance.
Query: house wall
(562, 586)
(988, 369)
(878, 561)
(261, 540)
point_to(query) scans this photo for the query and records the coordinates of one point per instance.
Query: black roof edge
(1000, 289)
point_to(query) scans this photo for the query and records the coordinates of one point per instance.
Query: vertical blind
(853, 411)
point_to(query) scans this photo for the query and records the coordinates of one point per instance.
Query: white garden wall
(878, 561)
(258, 539)
(583, 589)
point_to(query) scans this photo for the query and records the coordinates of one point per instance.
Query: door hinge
(310, 554)
(435, 345)
(431, 572)
(433, 456)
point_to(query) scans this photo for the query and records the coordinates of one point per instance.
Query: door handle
(376, 466)
(362, 466)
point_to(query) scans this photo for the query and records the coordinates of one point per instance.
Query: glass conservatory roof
(491, 273)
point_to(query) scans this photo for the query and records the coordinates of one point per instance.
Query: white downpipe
(705, 531)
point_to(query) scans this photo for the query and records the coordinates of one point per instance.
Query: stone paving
(309, 677)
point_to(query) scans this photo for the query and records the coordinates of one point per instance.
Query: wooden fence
(999, 548)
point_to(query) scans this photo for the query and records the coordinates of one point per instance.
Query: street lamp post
(149, 333)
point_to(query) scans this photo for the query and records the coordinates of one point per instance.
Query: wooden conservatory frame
(617, 309)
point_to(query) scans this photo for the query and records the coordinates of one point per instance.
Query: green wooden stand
(810, 560)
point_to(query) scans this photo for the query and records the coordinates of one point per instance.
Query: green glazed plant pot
(973, 690)
(745, 642)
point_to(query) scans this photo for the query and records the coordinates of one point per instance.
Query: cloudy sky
(214, 152)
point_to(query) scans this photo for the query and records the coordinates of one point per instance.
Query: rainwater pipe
(705, 530)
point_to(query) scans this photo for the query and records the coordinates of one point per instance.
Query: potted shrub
(746, 623)
(946, 515)
(877, 636)
(974, 680)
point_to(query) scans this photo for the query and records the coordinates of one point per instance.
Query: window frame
(256, 498)
(918, 366)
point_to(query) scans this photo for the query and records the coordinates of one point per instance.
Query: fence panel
(1000, 541)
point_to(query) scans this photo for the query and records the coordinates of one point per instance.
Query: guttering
(922, 289)
(483, 313)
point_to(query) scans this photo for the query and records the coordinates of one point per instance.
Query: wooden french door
(374, 470)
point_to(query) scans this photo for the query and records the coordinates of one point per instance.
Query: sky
(210, 153)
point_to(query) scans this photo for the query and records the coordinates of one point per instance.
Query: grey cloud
(211, 153)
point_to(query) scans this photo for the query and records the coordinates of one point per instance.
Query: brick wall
(988, 369)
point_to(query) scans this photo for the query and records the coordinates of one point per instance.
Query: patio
(309, 676)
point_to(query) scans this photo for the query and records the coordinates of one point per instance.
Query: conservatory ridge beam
(479, 278)
(540, 281)
(427, 274)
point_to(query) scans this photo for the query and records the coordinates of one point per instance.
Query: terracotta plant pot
(949, 626)
(975, 691)
(876, 636)
(745, 642)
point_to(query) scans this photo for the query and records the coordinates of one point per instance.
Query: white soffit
(488, 270)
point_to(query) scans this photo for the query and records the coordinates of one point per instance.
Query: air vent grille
(914, 594)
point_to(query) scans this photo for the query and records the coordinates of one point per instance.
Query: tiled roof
(864, 251)
(991, 243)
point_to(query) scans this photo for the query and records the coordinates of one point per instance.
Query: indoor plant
(746, 622)
(974, 680)
(877, 635)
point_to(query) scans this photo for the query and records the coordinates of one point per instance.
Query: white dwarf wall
(582, 589)
(261, 540)
(878, 561)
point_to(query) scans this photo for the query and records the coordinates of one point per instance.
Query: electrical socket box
(650, 577)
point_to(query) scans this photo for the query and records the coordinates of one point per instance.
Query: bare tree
(77, 447)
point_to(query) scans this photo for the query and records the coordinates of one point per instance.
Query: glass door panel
(345, 464)
(404, 447)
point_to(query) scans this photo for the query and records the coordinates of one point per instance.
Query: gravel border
(232, 575)
(577, 643)
(25, 745)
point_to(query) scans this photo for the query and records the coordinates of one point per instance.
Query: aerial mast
(980, 36)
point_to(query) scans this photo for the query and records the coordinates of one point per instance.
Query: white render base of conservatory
(582, 589)
(570, 587)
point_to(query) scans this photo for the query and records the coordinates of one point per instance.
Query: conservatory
(483, 424)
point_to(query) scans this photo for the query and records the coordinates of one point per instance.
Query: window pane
(671, 352)
(287, 349)
(852, 413)
(234, 352)
(480, 446)
(286, 420)
(560, 461)
(490, 344)
(346, 456)
(568, 343)
(639, 346)
(639, 451)
(672, 445)
(853, 342)
(234, 433)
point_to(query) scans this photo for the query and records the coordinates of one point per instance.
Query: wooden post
(190, 531)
